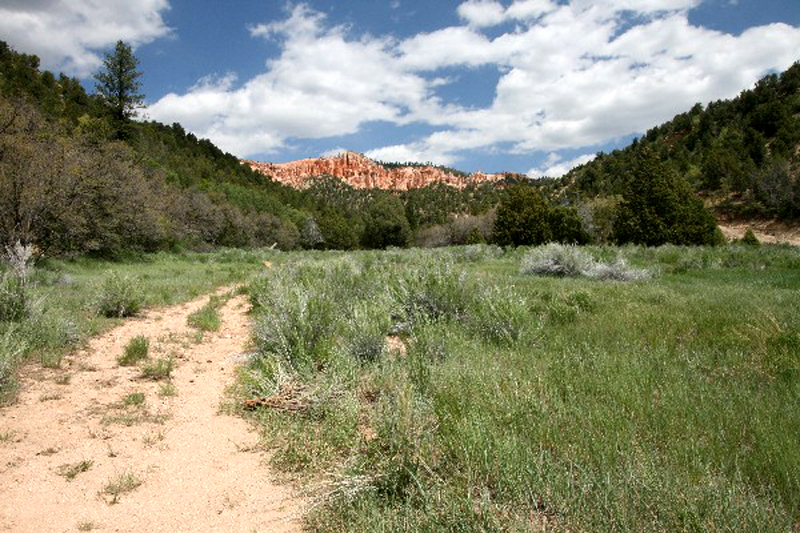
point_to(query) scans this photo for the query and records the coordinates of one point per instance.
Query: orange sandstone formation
(362, 172)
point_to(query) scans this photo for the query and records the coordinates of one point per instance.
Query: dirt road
(144, 456)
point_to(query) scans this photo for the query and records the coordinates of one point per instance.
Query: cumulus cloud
(304, 93)
(554, 167)
(571, 75)
(68, 34)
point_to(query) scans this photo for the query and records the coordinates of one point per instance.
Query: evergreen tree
(658, 207)
(522, 218)
(118, 84)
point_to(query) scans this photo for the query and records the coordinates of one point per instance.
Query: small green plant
(121, 484)
(137, 349)
(167, 389)
(119, 297)
(750, 238)
(158, 369)
(70, 471)
(133, 399)
(86, 525)
(206, 318)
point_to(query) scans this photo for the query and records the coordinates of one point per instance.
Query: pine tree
(118, 84)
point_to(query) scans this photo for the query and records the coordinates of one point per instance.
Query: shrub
(569, 261)
(136, 350)
(617, 271)
(297, 326)
(750, 238)
(14, 300)
(434, 292)
(119, 297)
(562, 260)
(12, 349)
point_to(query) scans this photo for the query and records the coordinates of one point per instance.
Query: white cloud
(303, 93)
(410, 153)
(69, 34)
(571, 75)
(553, 167)
(482, 12)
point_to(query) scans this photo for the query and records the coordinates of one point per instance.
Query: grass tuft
(71, 471)
(120, 485)
(207, 317)
(158, 369)
(137, 349)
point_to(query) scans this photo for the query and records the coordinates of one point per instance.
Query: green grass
(66, 300)
(137, 349)
(71, 471)
(666, 404)
(120, 485)
(158, 369)
(133, 399)
(207, 317)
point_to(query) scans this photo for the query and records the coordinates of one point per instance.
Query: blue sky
(533, 86)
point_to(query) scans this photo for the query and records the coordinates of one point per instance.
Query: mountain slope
(742, 154)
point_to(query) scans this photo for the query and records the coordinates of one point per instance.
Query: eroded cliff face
(363, 173)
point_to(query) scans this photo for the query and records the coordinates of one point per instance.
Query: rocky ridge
(361, 172)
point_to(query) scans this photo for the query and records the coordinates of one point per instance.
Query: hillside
(742, 155)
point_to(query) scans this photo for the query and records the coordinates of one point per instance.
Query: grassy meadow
(462, 390)
(66, 301)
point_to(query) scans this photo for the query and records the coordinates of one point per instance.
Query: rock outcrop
(361, 172)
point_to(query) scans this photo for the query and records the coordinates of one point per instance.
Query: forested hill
(74, 181)
(742, 154)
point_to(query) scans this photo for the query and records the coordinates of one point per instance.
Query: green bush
(750, 238)
(119, 296)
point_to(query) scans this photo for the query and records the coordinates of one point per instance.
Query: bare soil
(199, 468)
(767, 231)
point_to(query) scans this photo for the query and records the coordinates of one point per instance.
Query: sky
(529, 86)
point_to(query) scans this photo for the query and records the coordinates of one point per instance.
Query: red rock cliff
(363, 173)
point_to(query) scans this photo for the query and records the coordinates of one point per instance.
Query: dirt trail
(199, 469)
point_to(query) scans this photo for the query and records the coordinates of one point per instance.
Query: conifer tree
(118, 84)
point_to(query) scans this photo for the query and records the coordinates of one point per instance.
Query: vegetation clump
(119, 296)
(750, 238)
(137, 349)
(561, 260)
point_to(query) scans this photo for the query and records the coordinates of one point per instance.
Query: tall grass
(520, 402)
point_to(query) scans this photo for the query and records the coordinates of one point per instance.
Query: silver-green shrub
(119, 296)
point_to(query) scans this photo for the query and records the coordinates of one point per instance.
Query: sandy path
(198, 468)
